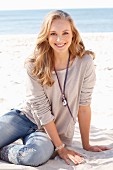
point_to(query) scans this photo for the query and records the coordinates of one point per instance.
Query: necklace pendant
(64, 101)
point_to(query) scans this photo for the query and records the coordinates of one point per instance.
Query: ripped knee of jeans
(26, 155)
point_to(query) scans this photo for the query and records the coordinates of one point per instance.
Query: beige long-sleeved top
(43, 104)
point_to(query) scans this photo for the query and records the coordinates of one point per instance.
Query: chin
(60, 49)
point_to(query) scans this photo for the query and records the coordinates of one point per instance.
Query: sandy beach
(13, 51)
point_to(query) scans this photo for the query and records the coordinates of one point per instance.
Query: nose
(59, 38)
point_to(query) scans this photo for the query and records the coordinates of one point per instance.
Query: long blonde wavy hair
(43, 56)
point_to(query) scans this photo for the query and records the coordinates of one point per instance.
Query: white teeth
(60, 45)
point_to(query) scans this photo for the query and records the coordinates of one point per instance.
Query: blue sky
(54, 4)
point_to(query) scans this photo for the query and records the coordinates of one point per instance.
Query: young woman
(60, 81)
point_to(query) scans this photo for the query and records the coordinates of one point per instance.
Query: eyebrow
(62, 31)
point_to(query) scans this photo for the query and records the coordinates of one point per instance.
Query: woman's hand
(97, 148)
(69, 155)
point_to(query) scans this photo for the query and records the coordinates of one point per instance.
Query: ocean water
(29, 21)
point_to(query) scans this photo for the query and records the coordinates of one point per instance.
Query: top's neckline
(63, 70)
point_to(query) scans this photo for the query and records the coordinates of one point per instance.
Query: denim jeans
(36, 148)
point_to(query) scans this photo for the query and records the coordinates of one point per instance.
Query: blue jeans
(36, 148)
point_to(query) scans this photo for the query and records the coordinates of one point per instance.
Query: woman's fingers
(104, 148)
(98, 148)
(67, 161)
(69, 155)
(76, 159)
(76, 153)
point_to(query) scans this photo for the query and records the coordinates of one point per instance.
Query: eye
(65, 33)
(53, 33)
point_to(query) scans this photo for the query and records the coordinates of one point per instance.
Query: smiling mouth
(60, 45)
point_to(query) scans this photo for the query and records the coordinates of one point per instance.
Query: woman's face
(60, 35)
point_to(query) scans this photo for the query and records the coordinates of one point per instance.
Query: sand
(13, 51)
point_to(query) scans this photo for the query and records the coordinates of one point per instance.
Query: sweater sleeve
(88, 83)
(37, 99)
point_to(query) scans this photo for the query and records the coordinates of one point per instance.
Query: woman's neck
(61, 61)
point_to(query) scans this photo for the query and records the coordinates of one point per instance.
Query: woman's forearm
(64, 153)
(84, 118)
(51, 130)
